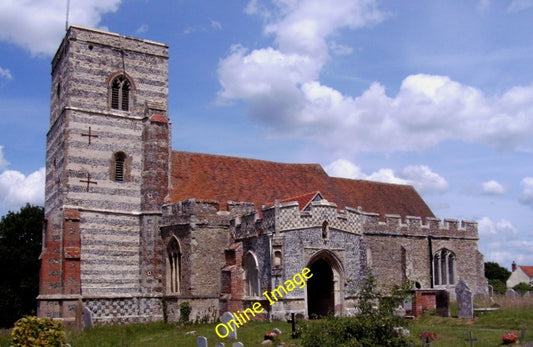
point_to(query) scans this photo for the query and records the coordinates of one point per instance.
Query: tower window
(120, 93)
(119, 166)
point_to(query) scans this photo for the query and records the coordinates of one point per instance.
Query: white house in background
(521, 273)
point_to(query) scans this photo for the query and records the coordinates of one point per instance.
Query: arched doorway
(320, 290)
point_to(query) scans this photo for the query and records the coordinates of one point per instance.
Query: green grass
(488, 328)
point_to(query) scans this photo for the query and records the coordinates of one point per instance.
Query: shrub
(375, 325)
(523, 288)
(185, 312)
(32, 331)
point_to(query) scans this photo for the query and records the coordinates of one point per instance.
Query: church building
(134, 229)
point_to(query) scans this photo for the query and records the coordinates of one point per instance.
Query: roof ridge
(244, 158)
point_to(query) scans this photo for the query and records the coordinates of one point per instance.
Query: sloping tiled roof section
(528, 270)
(223, 178)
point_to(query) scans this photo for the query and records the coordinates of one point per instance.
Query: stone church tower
(107, 174)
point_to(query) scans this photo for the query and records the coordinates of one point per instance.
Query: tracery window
(251, 275)
(173, 266)
(443, 267)
(120, 93)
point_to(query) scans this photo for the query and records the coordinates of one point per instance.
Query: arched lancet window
(443, 267)
(251, 275)
(120, 93)
(173, 266)
(119, 166)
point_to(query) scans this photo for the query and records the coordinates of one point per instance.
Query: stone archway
(324, 289)
(320, 295)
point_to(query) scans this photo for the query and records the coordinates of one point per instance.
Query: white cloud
(281, 85)
(17, 189)
(3, 162)
(5, 74)
(39, 25)
(215, 24)
(419, 176)
(493, 188)
(519, 5)
(527, 191)
(142, 29)
(339, 49)
(500, 241)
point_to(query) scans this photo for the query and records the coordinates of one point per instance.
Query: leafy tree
(497, 276)
(20, 247)
(523, 288)
(493, 271)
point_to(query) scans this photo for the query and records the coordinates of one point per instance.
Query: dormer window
(120, 93)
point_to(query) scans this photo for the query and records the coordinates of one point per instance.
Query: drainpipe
(430, 248)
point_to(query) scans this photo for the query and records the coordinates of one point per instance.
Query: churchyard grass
(488, 328)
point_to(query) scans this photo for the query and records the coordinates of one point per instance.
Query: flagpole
(68, 9)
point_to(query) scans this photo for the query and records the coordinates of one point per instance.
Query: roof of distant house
(224, 178)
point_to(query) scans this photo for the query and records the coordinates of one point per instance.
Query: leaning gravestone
(201, 341)
(465, 299)
(226, 317)
(511, 292)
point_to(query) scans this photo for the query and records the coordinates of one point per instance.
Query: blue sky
(437, 94)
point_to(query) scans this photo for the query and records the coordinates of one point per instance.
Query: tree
(497, 277)
(523, 288)
(20, 247)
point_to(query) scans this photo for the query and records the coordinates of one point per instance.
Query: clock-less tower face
(108, 149)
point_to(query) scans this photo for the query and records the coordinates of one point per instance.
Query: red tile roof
(528, 270)
(223, 178)
(302, 200)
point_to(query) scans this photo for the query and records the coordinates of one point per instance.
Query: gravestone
(465, 299)
(220, 344)
(87, 318)
(442, 299)
(225, 318)
(201, 341)
(511, 292)
(237, 344)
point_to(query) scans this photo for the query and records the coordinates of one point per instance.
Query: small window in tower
(120, 93)
(120, 158)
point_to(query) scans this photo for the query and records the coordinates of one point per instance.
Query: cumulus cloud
(493, 188)
(17, 189)
(282, 87)
(419, 176)
(500, 241)
(527, 191)
(5, 74)
(39, 25)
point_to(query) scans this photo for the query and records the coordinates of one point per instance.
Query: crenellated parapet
(288, 216)
(374, 223)
(194, 212)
